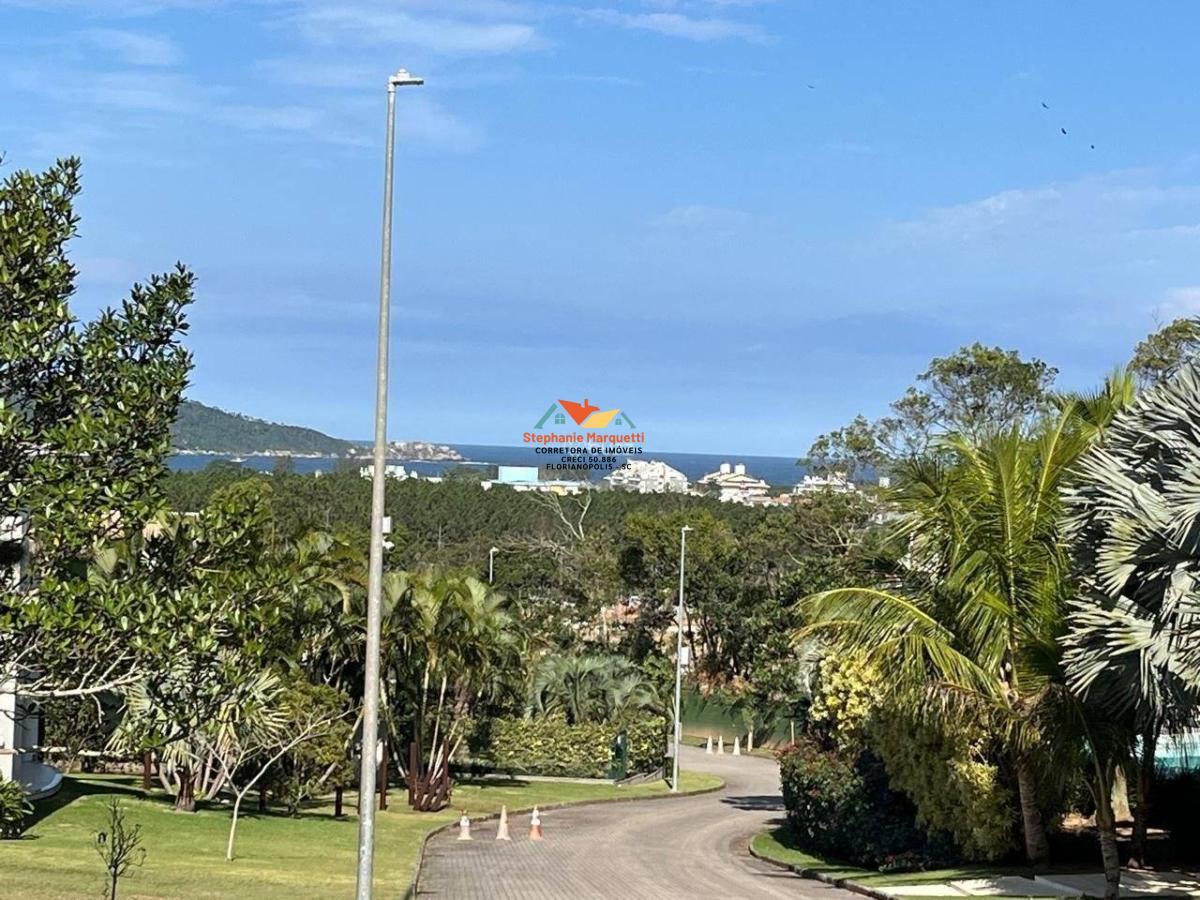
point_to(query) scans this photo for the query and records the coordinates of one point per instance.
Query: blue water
(780, 471)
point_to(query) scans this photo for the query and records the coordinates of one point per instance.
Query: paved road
(646, 850)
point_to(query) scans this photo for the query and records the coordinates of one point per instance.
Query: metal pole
(679, 659)
(370, 734)
(491, 564)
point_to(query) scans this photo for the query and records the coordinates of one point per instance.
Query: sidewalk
(1133, 884)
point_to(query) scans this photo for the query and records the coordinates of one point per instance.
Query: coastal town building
(392, 470)
(835, 482)
(526, 478)
(731, 484)
(648, 477)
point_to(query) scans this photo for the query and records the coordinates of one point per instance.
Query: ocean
(779, 471)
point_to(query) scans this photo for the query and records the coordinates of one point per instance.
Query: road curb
(843, 883)
(414, 884)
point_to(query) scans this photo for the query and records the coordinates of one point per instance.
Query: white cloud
(1018, 209)
(366, 24)
(133, 47)
(425, 120)
(680, 25)
(1177, 303)
(700, 217)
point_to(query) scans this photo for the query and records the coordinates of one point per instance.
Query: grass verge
(778, 846)
(309, 856)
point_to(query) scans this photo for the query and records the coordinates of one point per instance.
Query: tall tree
(975, 391)
(85, 414)
(1162, 353)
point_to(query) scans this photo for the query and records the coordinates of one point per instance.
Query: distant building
(20, 720)
(391, 470)
(648, 477)
(525, 478)
(731, 484)
(834, 482)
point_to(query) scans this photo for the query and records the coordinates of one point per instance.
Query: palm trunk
(1107, 826)
(1037, 845)
(185, 798)
(1141, 811)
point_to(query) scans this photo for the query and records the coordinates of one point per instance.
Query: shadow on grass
(76, 786)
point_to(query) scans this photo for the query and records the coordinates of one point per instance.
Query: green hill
(205, 428)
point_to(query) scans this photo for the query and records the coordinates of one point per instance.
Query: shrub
(839, 805)
(943, 769)
(14, 809)
(549, 746)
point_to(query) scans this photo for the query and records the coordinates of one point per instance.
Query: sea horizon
(778, 471)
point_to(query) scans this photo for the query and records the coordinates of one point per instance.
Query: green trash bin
(618, 766)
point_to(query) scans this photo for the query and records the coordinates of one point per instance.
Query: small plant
(14, 808)
(119, 847)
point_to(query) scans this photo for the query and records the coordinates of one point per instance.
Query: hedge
(549, 746)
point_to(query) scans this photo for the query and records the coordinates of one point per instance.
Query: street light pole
(370, 732)
(683, 533)
(491, 563)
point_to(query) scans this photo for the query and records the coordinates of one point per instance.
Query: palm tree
(450, 643)
(1134, 634)
(974, 616)
(591, 688)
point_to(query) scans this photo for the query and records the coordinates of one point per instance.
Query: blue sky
(644, 203)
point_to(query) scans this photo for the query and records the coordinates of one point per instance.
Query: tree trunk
(237, 805)
(1141, 811)
(1107, 826)
(185, 797)
(1037, 845)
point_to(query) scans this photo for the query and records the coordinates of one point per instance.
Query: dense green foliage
(85, 412)
(949, 772)
(549, 746)
(206, 428)
(946, 766)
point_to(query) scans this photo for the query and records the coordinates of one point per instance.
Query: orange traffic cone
(502, 829)
(535, 825)
(464, 827)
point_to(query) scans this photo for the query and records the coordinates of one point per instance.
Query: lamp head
(402, 78)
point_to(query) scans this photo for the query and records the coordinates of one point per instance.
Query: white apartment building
(835, 482)
(648, 477)
(391, 470)
(731, 484)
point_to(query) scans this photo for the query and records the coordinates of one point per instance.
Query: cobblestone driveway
(693, 847)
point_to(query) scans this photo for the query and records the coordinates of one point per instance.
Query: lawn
(277, 856)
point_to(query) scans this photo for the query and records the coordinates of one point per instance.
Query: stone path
(691, 847)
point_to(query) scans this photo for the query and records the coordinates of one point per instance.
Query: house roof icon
(585, 414)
